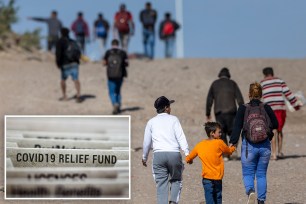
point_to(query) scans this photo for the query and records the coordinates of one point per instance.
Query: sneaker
(261, 202)
(116, 109)
(251, 198)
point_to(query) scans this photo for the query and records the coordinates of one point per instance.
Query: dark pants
(81, 42)
(52, 40)
(212, 191)
(227, 121)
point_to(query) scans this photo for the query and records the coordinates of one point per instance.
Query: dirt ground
(30, 86)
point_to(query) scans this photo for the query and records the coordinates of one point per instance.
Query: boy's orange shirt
(210, 152)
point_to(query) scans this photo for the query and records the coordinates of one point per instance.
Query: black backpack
(115, 64)
(257, 124)
(73, 51)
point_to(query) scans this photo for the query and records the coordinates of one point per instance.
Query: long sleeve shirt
(273, 92)
(239, 120)
(164, 132)
(54, 25)
(224, 93)
(210, 153)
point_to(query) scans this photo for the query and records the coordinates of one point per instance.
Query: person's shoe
(116, 109)
(261, 202)
(251, 197)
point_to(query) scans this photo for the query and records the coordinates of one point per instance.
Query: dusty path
(32, 87)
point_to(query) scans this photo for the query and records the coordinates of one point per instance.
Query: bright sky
(212, 29)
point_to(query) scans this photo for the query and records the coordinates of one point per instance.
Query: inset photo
(67, 157)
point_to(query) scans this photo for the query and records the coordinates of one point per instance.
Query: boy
(210, 152)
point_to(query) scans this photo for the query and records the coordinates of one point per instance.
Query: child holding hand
(210, 152)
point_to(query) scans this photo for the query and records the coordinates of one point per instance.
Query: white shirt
(165, 132)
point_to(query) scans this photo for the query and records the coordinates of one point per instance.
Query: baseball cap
(162, 102)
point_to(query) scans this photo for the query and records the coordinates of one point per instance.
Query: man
(67, 59)
(165, 134)
(101, 28)
(148, 18)
(224, 93)
(54, 28)
(274, 91)
(81, 30)
(116, 61)
(124, 25)
(167, 31)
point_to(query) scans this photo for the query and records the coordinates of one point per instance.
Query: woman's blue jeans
(255, 164)
(212, 191)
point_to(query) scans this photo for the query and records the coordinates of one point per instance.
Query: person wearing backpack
(257, 121)
(148, 18)
(81, 30)
(274, 91)
(101, 28)
(123, 26)
(116, 61)
(167, 30)
(68, 56)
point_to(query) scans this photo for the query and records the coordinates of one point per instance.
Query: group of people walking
(256, 122)
(123, 30)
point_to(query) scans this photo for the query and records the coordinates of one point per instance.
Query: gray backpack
(256, 123)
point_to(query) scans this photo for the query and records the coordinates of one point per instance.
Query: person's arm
(238, 125)
(147, 143)
(181, 138)
(193, 154)
(289, 95)
(209, 102)
(140, 16)
(58, 54)
(86, 29)
(238, 95)
(132, 25)
(273, 120)
(226, 149)
(176, 25)
(104, 62)
(160, 30)
(73, 25)
(38, 19)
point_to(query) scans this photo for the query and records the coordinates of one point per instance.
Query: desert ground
(30, 86)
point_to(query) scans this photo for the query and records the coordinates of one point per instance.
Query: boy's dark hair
(167, 15)
(115, 42)
(211, 127)
(65, 32)
(54, 12)
(268, 71)
(80, 14)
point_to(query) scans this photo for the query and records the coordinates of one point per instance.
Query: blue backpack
(100, 30)
(80, 28)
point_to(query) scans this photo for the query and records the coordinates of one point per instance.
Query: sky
(211, 29)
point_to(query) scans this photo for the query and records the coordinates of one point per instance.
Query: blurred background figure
(81, 31)
(225, 94)
(54, 28)
(274, 90)
(100, 32)
(148, 18)
(167, 30)
(123, 26)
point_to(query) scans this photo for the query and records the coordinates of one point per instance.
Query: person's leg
(151, 44)
(273, 145)
(160, 175)
(102, 44)
(171, 46)
(175, 167)
(74, 72)
(77, 85)
(125, 41)
(145, 42)
(118, 94)
(111, 91)
(249, 160)
(218, 191)
(63, 88)
(208, 190)
(167, 52)
(49, 42)
(261, 172)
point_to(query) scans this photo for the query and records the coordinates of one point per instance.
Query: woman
(256, 147)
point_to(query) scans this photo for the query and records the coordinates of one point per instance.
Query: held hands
(297, 107)
(144, 163)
